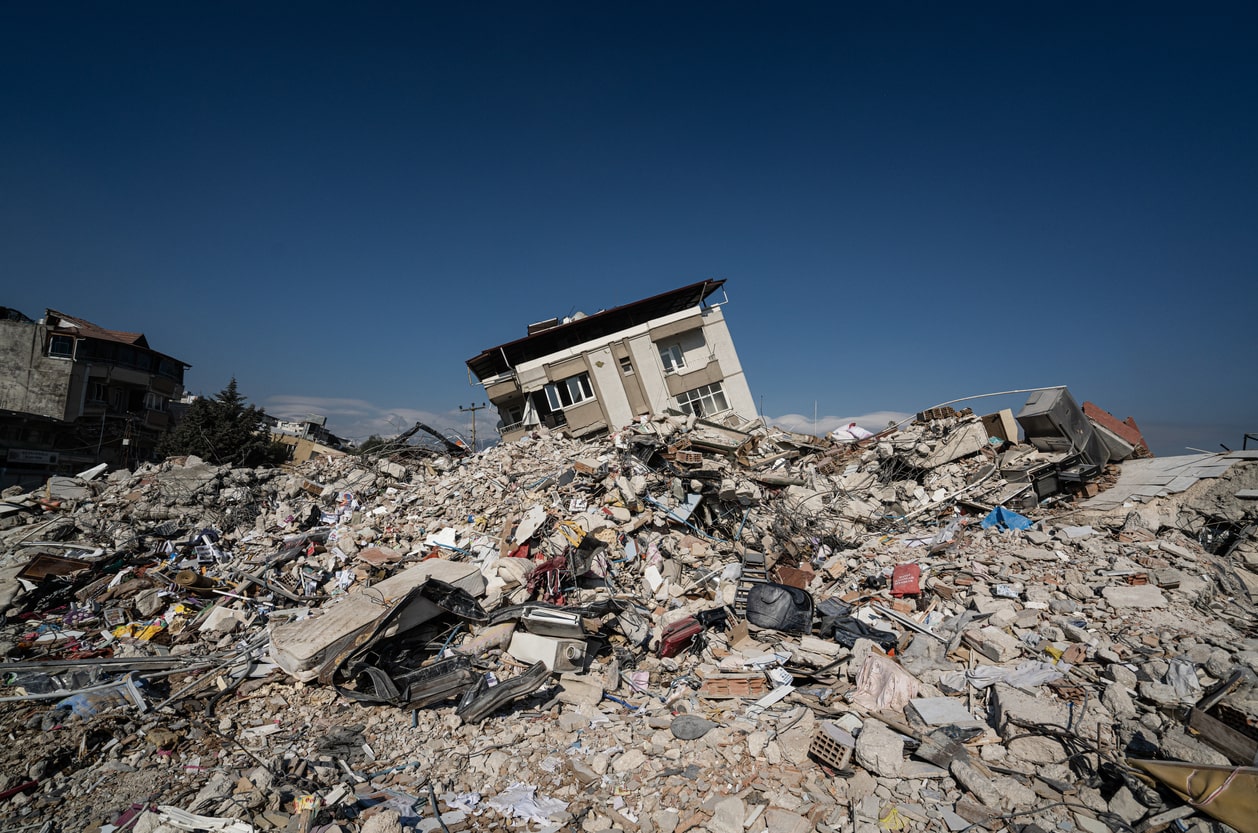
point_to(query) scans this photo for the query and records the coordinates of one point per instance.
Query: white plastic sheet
(521, 801)
(882, 684)
(1028, 675)
(850, 433)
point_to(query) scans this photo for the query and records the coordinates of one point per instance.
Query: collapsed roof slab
(300, 648)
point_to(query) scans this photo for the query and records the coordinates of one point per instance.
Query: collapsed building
(73, 393)
(305, 437)
(590, 373)
(679, 625)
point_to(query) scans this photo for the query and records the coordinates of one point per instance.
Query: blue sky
(339, 204)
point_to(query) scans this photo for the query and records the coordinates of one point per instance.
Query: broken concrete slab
(1143, 597)
(301, 647)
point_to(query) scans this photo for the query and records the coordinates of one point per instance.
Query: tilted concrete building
(598, 372)
(305, 437)
(72, 392)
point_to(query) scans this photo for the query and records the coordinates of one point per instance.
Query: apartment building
(588, 373)
(73, 392)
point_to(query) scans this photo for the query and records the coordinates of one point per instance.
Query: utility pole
(126, 445)
(474, 408)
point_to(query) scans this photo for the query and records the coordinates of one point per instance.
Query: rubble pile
(683, 626)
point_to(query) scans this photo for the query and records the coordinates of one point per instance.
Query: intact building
(588, 373)
(75, 393)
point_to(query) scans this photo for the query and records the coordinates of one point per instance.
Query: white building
(599, 372)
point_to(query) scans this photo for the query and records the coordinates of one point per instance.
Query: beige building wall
(609, 386)
(709, 356)
(304, 449)
(737, 391)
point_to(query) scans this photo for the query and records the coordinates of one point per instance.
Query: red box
(906, 580)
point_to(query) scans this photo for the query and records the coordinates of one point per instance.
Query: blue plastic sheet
(1002, 518)
(90, 702)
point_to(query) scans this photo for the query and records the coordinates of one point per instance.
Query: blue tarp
(1002, 518)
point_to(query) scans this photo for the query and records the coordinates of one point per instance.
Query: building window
(116, 400)
(672, 357)
(61, 346)
(704, 401)
(626, 365)
(570, 391)
(169, 369)
(154, 401)
(96, 392)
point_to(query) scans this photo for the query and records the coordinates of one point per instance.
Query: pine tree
(222, 430)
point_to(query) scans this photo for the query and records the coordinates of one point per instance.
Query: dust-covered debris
(679, 626)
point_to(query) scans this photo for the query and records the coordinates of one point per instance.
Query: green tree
(373, 443)
(224, 429)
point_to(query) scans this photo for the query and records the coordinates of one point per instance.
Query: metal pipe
(137, 663)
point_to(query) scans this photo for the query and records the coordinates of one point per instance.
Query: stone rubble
(1007, 691)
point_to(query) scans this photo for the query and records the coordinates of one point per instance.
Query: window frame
(54, 339)
(707, 396)
(576, 390)
(672, 357)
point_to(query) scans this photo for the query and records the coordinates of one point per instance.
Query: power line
(474, 408)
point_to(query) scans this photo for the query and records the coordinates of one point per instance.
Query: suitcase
(679, 636)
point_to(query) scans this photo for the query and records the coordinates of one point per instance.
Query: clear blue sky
(340, 203)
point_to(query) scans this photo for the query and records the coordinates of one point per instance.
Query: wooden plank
(1239, 748)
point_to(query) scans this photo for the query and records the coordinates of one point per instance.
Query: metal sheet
(44, 565)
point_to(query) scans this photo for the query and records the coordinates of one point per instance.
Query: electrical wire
(432, 802)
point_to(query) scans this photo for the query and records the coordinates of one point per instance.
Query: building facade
(589, 373)
(306, 437)
(74, 393)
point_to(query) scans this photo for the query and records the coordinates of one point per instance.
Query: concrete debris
(880, 750)
(679, 626)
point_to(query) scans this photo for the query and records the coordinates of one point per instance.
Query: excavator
(455, 448)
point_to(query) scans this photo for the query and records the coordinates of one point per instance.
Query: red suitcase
(679, 636)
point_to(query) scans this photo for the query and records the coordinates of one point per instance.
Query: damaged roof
(499, 359)
(61, 323)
